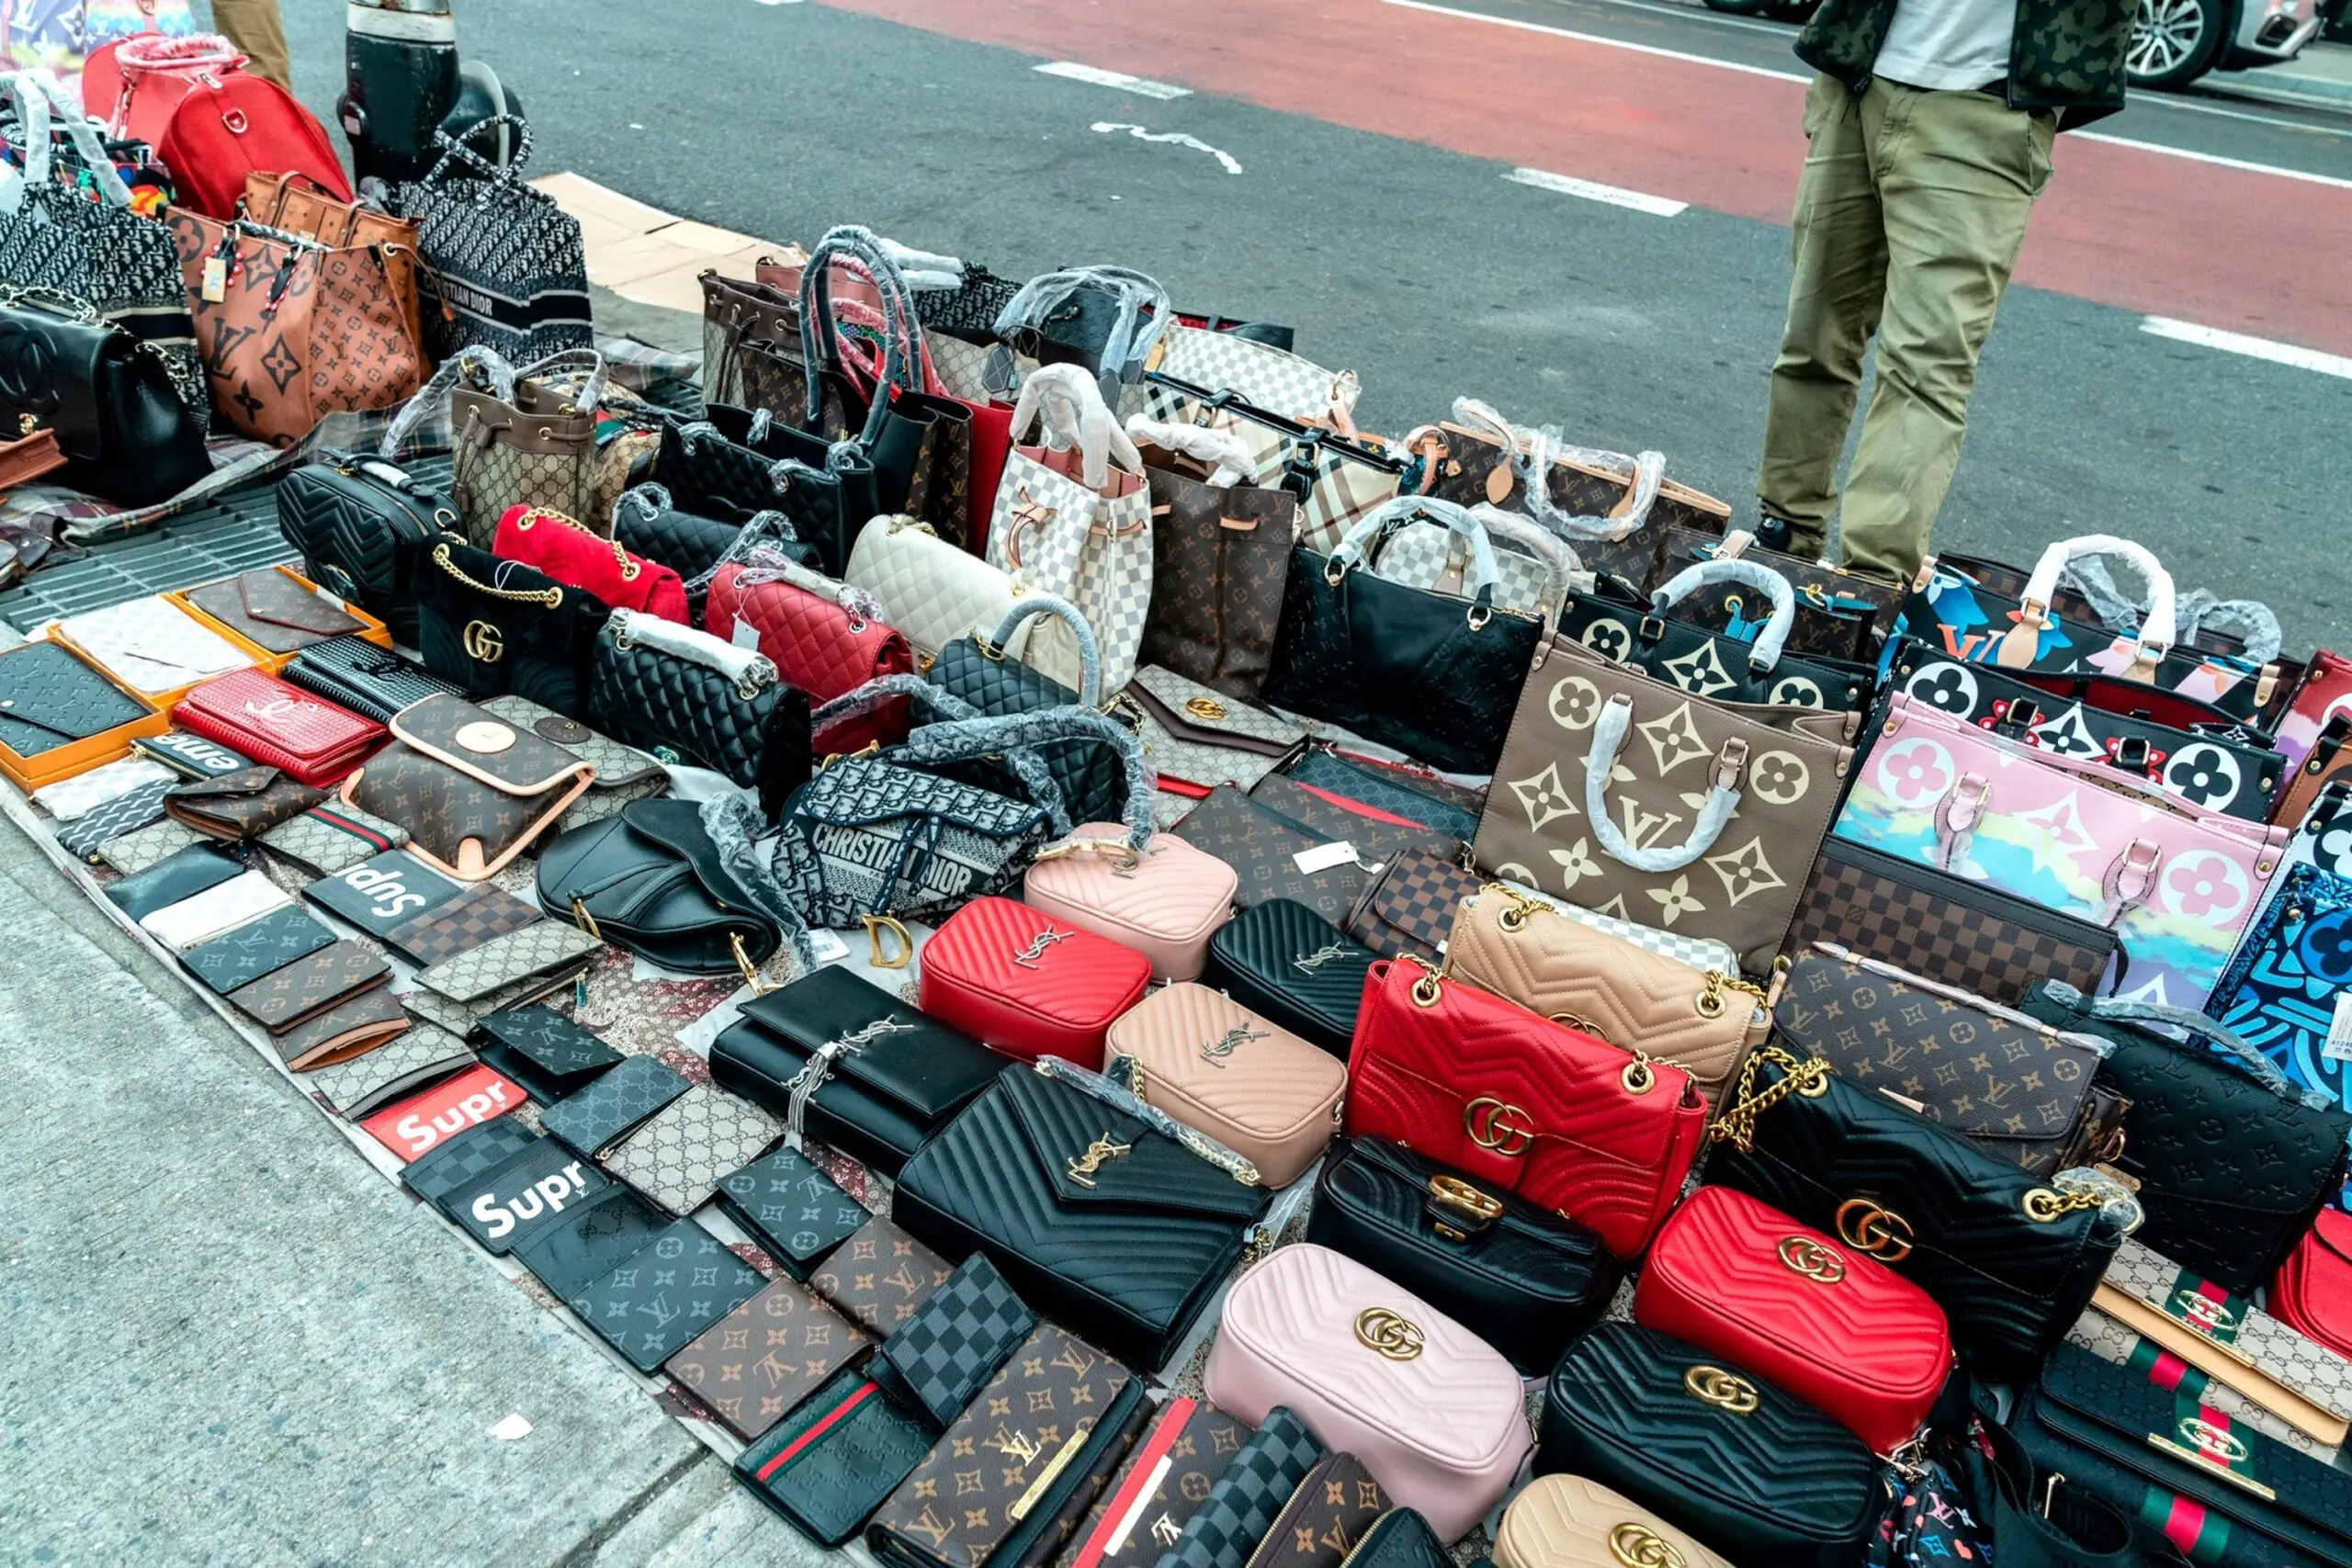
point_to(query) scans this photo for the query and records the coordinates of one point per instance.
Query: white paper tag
(2340, 1030)
(331, 598)
(215, 288)
(1323, 857)
(830, 947)
(743, 636)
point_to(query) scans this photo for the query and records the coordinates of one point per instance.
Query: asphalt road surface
(1364, 197)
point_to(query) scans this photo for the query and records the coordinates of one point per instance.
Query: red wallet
(1028, 985)
(1843, 1332)
(310, 741)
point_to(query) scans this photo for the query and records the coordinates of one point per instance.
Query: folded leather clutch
(1529, 1279)
(829, 1465)
(473, 791)
(1220, 1069)
(793, 1211)
(183, 875)
(651, 880)
(936, 1361)
(757, 1362)
(543, 1050)
(888, 1076)
(1284, 962)
(1178, 1458)
(1093, 1215)
(136, 851)
(348, 1028)
(881, 1275)
(191, 756)
(1567, 1521)
(1028, 985)
(1409, 907)
(53, 698)
(260, 716)
(274, 609)
(1241, 1504)
(242, 804)
(256, 948)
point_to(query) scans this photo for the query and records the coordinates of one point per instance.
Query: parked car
(2175, 41)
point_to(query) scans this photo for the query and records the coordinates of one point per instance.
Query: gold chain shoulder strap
(551, 597)
(621, 558)
(1808, 1077)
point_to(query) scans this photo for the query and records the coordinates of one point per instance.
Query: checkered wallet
(1408, 908)
(471, 920)
(881, 1277)
(955, 1342)
(1168, 1476)
(1241, 1507)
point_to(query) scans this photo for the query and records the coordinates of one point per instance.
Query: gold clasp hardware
(1498, 1126)
(1455, 1194)
(1638, 1546)
(582, 919)
(2213, 1451)
(1377, 1328)
(751, 970)
(1803, 1255)
(1721, 1389)
(1099, 1153)
(1513, 920)
(1882, 1232)
(1709, 1003)
(1205, 708)
(875, 926)
(2045, 1207)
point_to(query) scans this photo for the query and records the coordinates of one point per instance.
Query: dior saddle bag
(1711, 1448)
(1531, 1280)
(1704, 1021)
(1092, 1214)
(2014, 1085)
(1434, 1414)
(1567, 1521)
(1220, 1069)
(498, 629)
(360, 523)
(2011, 1256)
(2232, 1207)
(688, 697)
(1164, 902)
(651, 881)
(472, 790)
(1284, 962)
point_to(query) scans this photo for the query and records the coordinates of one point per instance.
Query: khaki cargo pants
(1908, 219)
(256, 28)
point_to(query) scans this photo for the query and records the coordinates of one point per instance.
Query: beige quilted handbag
(1164, 903)
(1565, 1521)
(1525, 951)
(1219, 1068)
(930, 589)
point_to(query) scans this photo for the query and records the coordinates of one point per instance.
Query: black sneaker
(1772, 532)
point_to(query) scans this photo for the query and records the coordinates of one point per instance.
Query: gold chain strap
(628, 567)
(2045, 1207)
(551, 597)
(1737, 1123)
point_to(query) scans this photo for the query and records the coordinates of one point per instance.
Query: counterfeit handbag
(1286, 963)
(361, 524)
(689, 698)
(651, 881)
(473, 791)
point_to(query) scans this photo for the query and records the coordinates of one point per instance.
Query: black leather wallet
(615, 1105)
(383, 892)
(542, 1050)
(661, 1299)
(1402, 1538)
(256, 949)
(901, 1078)
(529, 1189)
(50, 697)
(940, 1357)
(829, 1465)
(186, 875)
(795, 1212)
(192, 756)
(371, 681)
(590, 1242)
(475, 1152)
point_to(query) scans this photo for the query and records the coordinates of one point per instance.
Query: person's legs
(1839, 250)
(256, 28)
(1957, 186)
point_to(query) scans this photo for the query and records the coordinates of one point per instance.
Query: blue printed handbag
(2280, 990)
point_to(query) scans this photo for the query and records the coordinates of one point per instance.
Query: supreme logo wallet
(528, 1189)
(383, 892)
(467, 1157)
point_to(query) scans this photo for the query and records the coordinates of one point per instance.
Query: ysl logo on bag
(1319, 957)
(1882, 1232)
(858, 1039)
(1637, 1546)
(1809, 1257)
(1028, 958)
(484, 643)
(1498, 1126)
(1098, 1153)
(1721, 1389)
(1214, 1052)
(1380, 1329)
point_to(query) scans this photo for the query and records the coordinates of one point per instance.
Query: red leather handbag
(816, 642)
(568, 551)
(227, 125)
(1842, 1331)
(310, 741)
(1029, 984)
(2312, 1294)
(1517, 1101)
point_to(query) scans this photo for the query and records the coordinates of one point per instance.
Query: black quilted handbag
(359, 523)
(733, 464)
(1284, 962)
(648, 522)
(498, 629)
(2234, 1161)
(651, 881)
(689, 698)
(2010, 1258)
(1091, 778)
(1758, 1474)
(1129, 1258)
(1711, 665)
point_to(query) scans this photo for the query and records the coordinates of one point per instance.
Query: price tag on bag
(2340, 1030)
(1323, 857)
(216, 280)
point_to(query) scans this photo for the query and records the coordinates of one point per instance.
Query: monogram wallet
(139, 849)
(414, 1060)
(881, 1277)
(757, 1362)
(256, 949)
(826, 1467)
(590, 1240)
(1230, 1522)
(180, 876)
(335, 837)
(51, 697)
(615, 1104)
(678, 1157)
(354, 1026)
(659, 1300)
(309, 986)
(1325, 1518)
(273, 609)
(794, 1211)
(242, 804)
(528, 953)
(1180, 1456)
(938, 1358)
(542, 1050)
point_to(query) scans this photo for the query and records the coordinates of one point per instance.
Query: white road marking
(1792, 76)
(1592, 190)
(2254, 347)
(2168, 101)
(1176, 138)
(1140, 86)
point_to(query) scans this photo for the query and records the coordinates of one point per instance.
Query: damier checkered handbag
(1409, 907)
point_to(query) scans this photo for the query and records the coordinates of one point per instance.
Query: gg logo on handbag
(1028, 957)
(1498, 1126)
(2214, 1450)
(1380, 1329)
(484, 642)
(1207, 708)
(1637, 1546)
(1721, 1389)
(1809, 1257)
(1882, 1232)
(1101, 1151)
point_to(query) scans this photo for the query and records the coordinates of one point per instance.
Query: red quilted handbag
(816, 643)
(1843, 1332)
(310, 741)
(564, 549)
(1519, 1102)
(1027, 984)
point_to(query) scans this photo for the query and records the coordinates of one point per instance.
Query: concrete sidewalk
(2320, 77)
(230, 1341)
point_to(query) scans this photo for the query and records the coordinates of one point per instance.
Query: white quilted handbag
(931, 591)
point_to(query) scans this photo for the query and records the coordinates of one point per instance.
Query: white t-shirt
(1948, 43)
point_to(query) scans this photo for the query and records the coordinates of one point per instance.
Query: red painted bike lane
(2230, 247)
